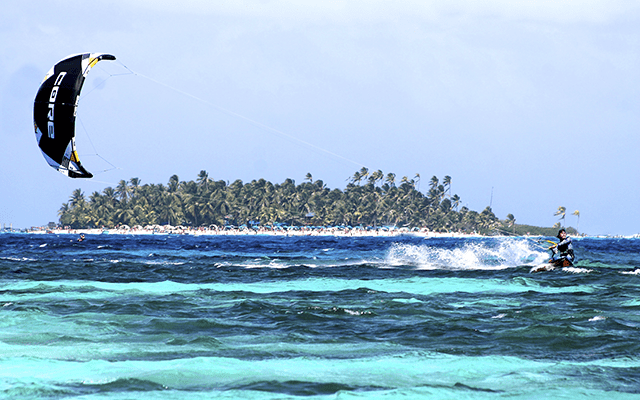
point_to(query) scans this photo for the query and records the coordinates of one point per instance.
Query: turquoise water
(259, 317)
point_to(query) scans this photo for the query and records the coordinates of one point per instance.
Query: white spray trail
(471, 256)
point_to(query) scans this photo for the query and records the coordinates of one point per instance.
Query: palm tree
(193, 209)
(203, 179)
(174, 182)
(171, 211)
(433, 183)
(577, 214)
(447, 184)
(124, 215)
(356, 177)
(123, 191)
(470, 220)
(511, 222)
(110, 196)
(217, 207)
(488, 220)
(375, 176)
(309, 177)
(135, 184)
(364, 172)
(378, 176)
(77, 198)
(64, 214)
(391, 179)
(456, 201)
(561, 212)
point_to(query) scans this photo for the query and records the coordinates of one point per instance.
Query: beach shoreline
(261, 231)
(283, 232)
(288, 231)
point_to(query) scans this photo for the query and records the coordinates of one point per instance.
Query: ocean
(266, 317)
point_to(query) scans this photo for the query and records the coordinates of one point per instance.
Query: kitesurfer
(562, 252)
(81, 238)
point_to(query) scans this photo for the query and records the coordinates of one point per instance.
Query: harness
(565, 247)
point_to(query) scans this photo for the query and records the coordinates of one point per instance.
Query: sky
(526, 105)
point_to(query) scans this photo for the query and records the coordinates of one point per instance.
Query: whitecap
(357, 313)
(636, 272)
(162, 262)
(597, 318)
(575, 270)
(406, 301)
(22, 259)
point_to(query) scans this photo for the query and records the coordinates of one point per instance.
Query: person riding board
(563, 255)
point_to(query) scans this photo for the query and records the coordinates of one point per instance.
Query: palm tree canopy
(364, 172)
(203, 179)
(391, 179)
(204, 202)
(434, 182)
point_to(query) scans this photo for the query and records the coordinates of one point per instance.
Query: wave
(494, 255)
(22, 291)
(417, 374)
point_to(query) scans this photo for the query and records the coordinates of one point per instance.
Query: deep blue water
(260, 317)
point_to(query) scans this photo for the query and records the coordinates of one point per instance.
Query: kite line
(247, 119)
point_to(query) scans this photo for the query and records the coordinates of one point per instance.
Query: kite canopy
(54, 112)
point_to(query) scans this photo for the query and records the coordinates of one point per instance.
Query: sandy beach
(279, 231)
(272, 231)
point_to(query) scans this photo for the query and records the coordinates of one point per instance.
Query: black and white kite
(54, 112)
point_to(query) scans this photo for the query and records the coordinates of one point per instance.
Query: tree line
(369, 199)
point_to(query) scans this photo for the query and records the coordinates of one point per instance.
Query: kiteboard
(542, 268)
(551, 265)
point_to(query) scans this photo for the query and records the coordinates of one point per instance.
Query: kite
(54, 112)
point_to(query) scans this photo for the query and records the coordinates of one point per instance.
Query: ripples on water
(181, 317)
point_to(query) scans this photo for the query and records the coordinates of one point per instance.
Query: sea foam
(507, 253)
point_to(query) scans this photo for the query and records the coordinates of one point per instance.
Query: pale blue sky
(535, 99)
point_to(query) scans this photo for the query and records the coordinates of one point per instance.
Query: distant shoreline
(285, 232)
(297, 231)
